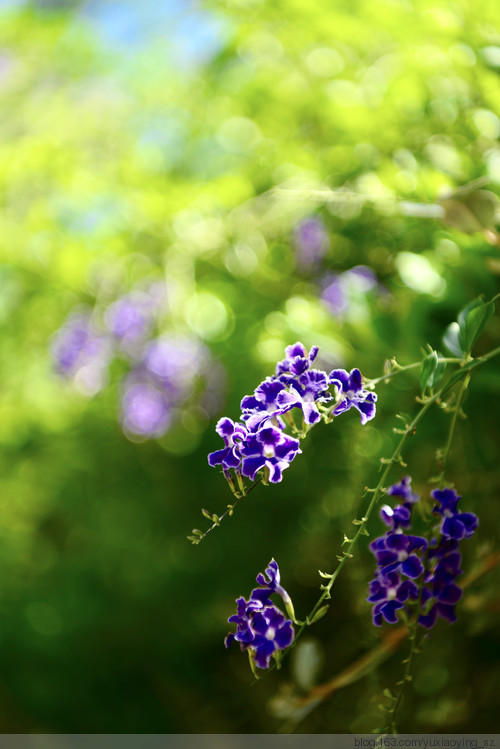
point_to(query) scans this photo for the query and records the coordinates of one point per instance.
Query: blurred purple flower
(342, 290)
(132, 317)
(335, 295)
(129, 318)
(174, 362)
(145, 409)
(81, 352)
(311, 242)
(363, 277)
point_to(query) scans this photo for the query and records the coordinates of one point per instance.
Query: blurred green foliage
(119, 165)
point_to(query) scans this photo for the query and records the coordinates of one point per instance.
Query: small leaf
(327, 575)
(388, 693)
(318, 615)
(206, 514)
(452, 339)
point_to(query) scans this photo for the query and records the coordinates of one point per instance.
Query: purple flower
(270, 448)
(263, 404)
(270, 583)
(403, 490)
(398, 557)
(234, 436)
(402, 556)
(399, 517)
(455, 524)
(395, 552)
(146, 411)
(297, 361)
(262, 629)
(350, 393)
(81, 352)
(311, 242)
(389, 593)
(310, 388)
(440, 592)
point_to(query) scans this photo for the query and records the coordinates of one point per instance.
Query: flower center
(271, 633)
(403, 556)
(392, 593)
(269, 451)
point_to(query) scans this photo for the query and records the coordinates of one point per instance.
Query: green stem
(441, 360)
(413, 627)
(230, 509)
(391, 718)
(444, 453)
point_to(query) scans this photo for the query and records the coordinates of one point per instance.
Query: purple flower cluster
(261, 628)
(440, 592)
(259, 441)
(398, 558)
(166, 373)
(403, 559)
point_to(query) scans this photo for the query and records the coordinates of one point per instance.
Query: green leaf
(438, 372)
(318, 615)
(429, 366)
(452, 339)
(475, 322)
(464, 312)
